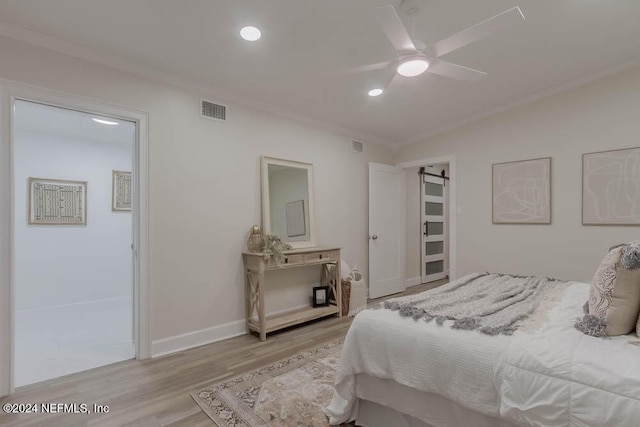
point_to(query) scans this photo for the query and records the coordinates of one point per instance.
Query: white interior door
(433, 213)
(386, 230)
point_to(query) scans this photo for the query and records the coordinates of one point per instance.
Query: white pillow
(614, 297)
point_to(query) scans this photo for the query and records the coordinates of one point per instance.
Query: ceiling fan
(414, 58)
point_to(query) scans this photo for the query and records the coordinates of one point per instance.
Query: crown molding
(554, 90)
(204, 89)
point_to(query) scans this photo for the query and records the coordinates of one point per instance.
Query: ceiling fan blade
(394, 78)
(363, 68)
(501, 21)
(393, 27)
(455, 71)
(384, 79)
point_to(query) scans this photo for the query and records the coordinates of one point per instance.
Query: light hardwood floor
(156, 392)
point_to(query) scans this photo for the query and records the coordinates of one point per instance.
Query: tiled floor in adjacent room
(53, 342)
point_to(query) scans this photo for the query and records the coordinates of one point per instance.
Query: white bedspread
(558, 376)
(458, 365)
(555, 376)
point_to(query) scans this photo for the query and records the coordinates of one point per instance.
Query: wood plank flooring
(156, 392)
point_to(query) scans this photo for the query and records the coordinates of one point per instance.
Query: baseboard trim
(206, 336)
(413, 281)
(193, 339)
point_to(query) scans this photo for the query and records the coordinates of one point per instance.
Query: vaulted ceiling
(296, 67)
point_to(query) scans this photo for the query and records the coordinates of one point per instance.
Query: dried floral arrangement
(274, 247)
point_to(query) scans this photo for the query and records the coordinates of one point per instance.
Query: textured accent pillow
(614, 297)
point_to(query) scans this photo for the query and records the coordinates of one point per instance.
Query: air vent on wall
(213, 111)
(357, 146)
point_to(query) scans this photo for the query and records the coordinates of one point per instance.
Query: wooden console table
(256, 265)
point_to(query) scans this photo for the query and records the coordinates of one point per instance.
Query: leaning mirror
(287, 201)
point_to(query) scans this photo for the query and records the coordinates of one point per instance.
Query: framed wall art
(57, 202)
(121, 194)
(521, 192)
(611, 187)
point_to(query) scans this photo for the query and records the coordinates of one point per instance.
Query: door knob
(374, 237)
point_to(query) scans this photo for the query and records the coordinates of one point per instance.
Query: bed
(404, 372)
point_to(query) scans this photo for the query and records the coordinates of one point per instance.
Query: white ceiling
(296, 65)
(75, 125)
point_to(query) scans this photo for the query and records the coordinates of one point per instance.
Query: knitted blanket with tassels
(491, 303)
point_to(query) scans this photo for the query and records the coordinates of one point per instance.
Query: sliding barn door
(433, 212)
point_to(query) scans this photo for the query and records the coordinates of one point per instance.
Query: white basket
(358, 295)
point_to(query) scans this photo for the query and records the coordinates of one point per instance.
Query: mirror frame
(266, 216)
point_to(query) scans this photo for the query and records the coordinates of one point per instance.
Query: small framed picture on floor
(320, 296)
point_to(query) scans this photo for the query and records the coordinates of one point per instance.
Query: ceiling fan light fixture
(375, 92)
(412, 67)
(250, 34)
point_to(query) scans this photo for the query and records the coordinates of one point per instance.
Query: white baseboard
(193, 339)
(413, 281)
(197, 338)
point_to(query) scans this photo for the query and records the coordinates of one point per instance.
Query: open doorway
(73, 233)
(428, 224)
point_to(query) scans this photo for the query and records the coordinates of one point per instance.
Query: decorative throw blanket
(491, 303)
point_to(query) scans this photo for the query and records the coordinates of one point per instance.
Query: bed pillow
(614, 297)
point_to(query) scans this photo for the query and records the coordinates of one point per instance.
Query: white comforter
(557, 376)
(554, 376)
(455, 364)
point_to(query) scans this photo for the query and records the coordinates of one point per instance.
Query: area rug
(290, 393)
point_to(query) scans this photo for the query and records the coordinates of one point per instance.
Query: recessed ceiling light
(375, 92)
(250, 33)
(105, 122)
(412, 67)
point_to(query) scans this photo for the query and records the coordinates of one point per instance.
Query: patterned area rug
(290, 393)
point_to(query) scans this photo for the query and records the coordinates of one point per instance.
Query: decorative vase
(256, 241)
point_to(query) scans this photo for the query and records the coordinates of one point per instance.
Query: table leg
(261, 315)
(247, 292)
(338, 279)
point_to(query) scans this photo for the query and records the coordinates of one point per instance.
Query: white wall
(61, 265)
(413, 226)
(599, 116)
(205, 184)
